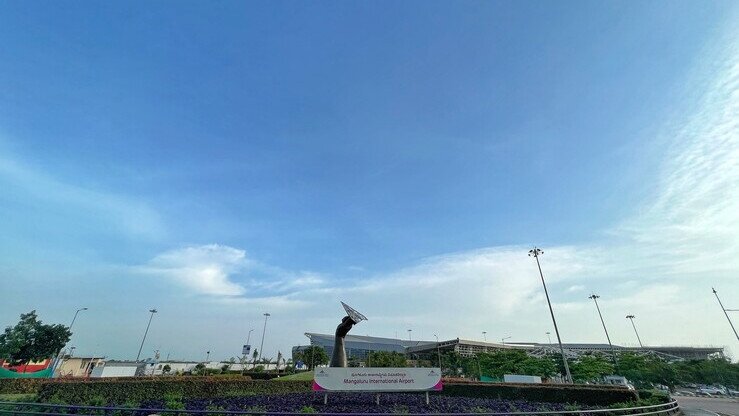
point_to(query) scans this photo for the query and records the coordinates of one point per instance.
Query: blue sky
(220, 160)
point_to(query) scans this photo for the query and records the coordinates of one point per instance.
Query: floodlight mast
(726, 313)
(535, 253)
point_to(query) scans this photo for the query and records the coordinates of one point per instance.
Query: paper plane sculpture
(353, 313)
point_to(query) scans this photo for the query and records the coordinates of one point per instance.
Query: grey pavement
(708, 406)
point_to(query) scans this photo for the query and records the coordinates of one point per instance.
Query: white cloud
(204, 269)
(575, 288)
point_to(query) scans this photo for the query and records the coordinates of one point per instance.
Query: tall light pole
(535, 252)
(613, 352)
(502, 340)
(153, 311)
(549, 337)
(409, 334)
(59, 357)
(631, 318)
(266, 315)
(725, 313)
(484, 336)
(438, 352)
(75, 317)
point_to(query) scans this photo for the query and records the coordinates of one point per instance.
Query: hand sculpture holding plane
(338, 358)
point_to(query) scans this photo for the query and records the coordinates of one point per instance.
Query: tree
(387, 359)
(312, 356)
(591, 367)
(166, 369)
(31, 340)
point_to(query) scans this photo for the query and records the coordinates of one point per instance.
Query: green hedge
(119, 391)
(122, 390)
(21, 385)
(550, 393)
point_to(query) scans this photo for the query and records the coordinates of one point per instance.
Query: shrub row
(138, 390)
(122, 390)
(550, 393)
(21, 385)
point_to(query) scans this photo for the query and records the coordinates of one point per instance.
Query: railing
(14, 408)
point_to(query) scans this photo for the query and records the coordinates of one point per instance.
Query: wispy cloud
(128, 215)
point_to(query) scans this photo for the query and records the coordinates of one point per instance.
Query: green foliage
(173, 389)
(307, 409)
(591, 367)
(166, 369)
(548, 393)
(31, 340)
(387, 359)
(21, 398)
(312, 356)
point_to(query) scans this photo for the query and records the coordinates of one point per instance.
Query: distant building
(78, 366)
(358, 347)
(119, 369)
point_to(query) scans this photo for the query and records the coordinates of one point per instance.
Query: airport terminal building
(358, 348)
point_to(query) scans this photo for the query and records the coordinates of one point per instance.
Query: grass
(17, 397)
(304, 376)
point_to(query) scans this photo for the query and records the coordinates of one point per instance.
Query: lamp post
(631, 318)
(438, 352)
(75, 317)
(549, 338)
(502, 340)
(409, 334)
(261, 345)
(613, 352)
(535, 252)
(153, 311)
(484, 336)
(59, 356)
(726, 313)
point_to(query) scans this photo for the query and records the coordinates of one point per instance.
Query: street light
(75, 317)
(207, 356)
(153, 311)
(535, 252)
(631, 318)
(613, 352)
(484, 336)
(438, 352)
(60, 357)
(261, 346)
(549, 338)
(409, 334)
(725, 313)
(502, 340)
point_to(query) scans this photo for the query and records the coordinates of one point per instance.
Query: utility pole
(261, 346)
(153, 311)
(438, 352)
(726, 313)
(613, 351)
(631, 318)
(535, 252)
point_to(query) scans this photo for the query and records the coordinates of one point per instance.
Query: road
(705, 406)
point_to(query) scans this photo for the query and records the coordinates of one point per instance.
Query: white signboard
(376, 379)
